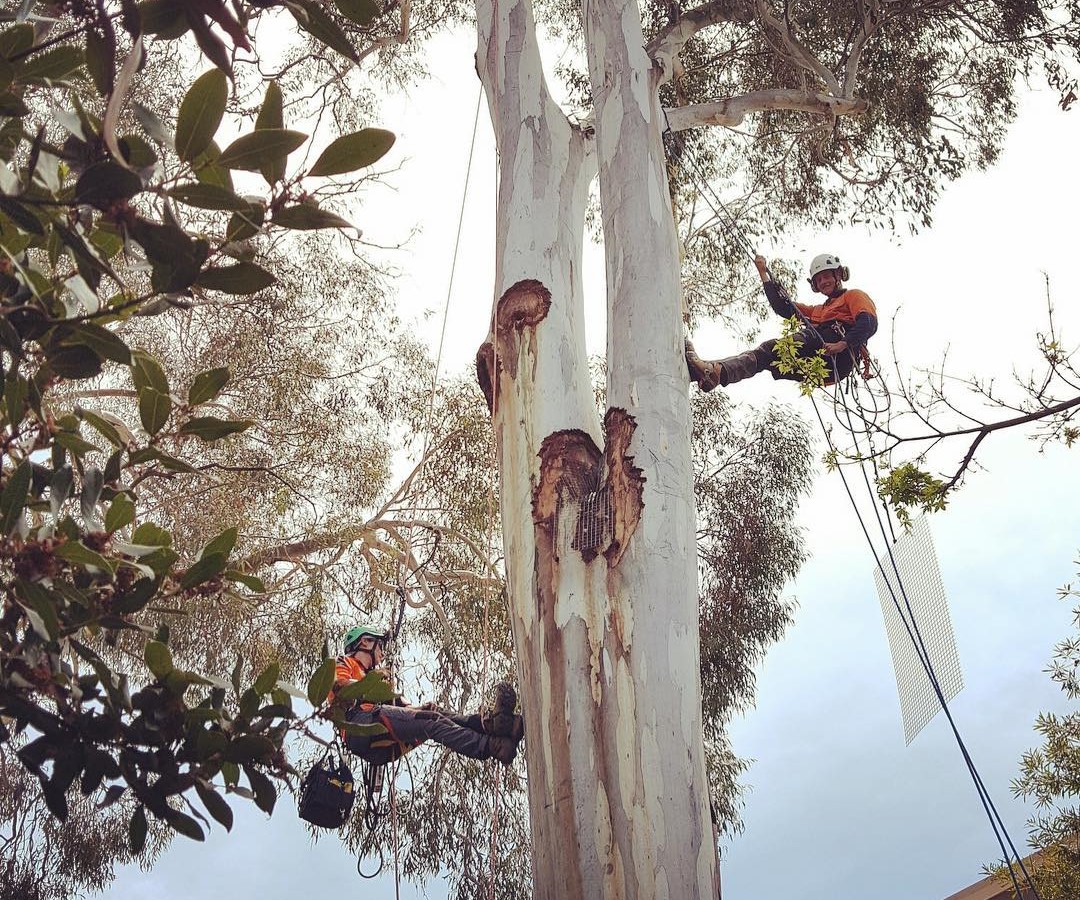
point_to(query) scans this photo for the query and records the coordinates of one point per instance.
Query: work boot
(707, 374)
(736, 368)
(500, 720)
(502, 748)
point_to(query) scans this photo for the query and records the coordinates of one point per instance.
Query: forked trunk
(597, 517)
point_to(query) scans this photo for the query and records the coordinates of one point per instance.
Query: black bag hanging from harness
(326, 793)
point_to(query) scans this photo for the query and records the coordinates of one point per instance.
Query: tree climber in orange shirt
(841, 326)
(493, 734)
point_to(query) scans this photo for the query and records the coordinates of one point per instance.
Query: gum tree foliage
(1050, 776)
(109, 216)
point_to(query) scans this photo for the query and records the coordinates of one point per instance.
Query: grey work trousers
(410, 727)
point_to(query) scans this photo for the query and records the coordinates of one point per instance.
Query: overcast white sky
(839, 806)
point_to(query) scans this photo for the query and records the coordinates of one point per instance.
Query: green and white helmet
(354, 635)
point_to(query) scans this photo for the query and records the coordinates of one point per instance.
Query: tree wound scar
(523, 306)
(604, 491)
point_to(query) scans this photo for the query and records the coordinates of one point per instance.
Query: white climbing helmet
(827, 262)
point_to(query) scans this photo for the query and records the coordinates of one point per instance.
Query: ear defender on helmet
(828, 262)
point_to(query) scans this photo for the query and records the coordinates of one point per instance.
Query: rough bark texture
(599, 543)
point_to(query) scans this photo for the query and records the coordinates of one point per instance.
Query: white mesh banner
(923, 606)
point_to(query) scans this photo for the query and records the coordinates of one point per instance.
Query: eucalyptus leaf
(362, 12)
(304, 217)
(319, 685)
(208, 385)
(211, 428)
(158, 658)
(243, 278)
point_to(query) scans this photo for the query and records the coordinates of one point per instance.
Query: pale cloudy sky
(839, 807)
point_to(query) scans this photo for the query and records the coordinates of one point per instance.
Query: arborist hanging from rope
(492, 734)
(838, 328)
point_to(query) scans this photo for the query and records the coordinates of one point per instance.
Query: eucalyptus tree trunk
(597, 516)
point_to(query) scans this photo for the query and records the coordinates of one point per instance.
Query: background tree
(1050, 775)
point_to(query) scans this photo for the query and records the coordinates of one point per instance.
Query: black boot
(500, 719)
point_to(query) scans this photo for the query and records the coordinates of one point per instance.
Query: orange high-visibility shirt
(844, 309)
(346, 672)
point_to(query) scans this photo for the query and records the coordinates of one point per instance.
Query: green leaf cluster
(1050, 777)
(92, 181)
(907, 487)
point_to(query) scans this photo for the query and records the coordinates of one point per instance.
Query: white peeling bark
(539, 386)
(601, 563)
(661, 806)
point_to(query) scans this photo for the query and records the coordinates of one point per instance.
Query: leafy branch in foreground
(107, 213)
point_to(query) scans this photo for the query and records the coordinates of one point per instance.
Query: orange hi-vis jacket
(850, 316)
(844, 309)
(346, 672)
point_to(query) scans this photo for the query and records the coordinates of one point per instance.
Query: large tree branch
(791, 47)
(869, 17)
(733, 110)
(663, 48)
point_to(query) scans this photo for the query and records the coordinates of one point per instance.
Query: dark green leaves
(373, 688)
(321, 682)
(353, 151)
(175, 256)
(53, 65)
(260, 148)
(200, 114)
(313, 19)
(272, 116)
(362, 12)
(158, 658)
(242, 278)
(215, 804)
(268, 679)
(206, 195)
(183, 824)
(207, 385)
(210, 428)
(13, 497)
(163, 18)
(306, 217)
(106, 183)
(137, 830)
(152, 386)
(99, 339)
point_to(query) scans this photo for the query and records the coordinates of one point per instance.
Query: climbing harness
(898, 594)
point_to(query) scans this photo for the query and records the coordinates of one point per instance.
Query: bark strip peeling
(625, 482)
(523, 305)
